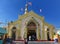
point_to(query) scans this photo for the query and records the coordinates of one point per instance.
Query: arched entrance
(31, 31)
(48, 37)
(13, 33)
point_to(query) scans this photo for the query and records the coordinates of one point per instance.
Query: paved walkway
(34, 42)
(41, 42)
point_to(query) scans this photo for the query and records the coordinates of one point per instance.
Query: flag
(40, 10)
(21, 9)
(30, 3)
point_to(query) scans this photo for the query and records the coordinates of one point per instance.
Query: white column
(45, 35)
(9, 30)
(37, 32)
(25, 32)
(45, 32)
(41, 31)
(22, 34)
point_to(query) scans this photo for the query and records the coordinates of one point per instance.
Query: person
(4, 40)
(33, 37)
(29, 37)
(8, 40)
(26, 42)
(56, 39)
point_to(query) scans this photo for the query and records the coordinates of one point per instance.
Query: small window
(47, 29)
(14, 27)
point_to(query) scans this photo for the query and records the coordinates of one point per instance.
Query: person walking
(26, 41)
(8, 40)
(56, 39)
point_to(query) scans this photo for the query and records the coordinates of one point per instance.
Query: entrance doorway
(31, 31)
(31, 36)
(13, 33)
(48, 37)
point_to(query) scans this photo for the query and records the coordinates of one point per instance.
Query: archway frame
(38, 32)
(15, 33)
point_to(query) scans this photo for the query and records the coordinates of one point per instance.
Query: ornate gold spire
(26, 7)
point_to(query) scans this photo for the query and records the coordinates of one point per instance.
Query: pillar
(39, 36)
(25, 32)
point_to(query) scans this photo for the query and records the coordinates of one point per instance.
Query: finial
(26, 7)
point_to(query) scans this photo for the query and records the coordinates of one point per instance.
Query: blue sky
(9, 10)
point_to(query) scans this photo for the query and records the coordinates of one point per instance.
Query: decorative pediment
(31, 13)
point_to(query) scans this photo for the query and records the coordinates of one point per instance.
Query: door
(31, 36)
(31, 31)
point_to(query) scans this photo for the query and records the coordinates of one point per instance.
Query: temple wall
(21, 31)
